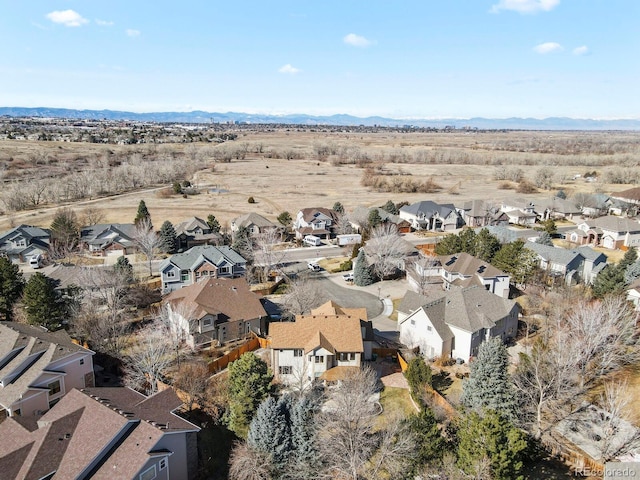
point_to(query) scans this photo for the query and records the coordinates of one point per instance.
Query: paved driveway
(348, 297)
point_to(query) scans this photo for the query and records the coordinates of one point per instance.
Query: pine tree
(391, 208)
(374, 218)
(242, 243)
(338, 208)
(545, 239)
(270, 431)
(142, 214)
(490, 446)
(486, 246)
(516, 260)
(362, 275)
(418, 377)
(630, 256)
(449, 245)
(249, 384)
(124, 268)
(168, 237)
(610, 280)
(549, 226)
(285, 219)
(468, 241)
(489, 385)
(304, 459)
(42, 303)
(213, 223)
(65, 230)
(11, 286)
(430, 443)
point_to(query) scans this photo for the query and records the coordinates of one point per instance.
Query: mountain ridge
(199, 116)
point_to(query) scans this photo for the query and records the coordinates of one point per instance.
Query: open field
(289, 170)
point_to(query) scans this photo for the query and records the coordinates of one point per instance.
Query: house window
(413, 322)
(223, 270)
(352, 356)
(171, 274)
(319, 359)
(285, 370)
(343, 357)
(184, 276)
(163, 464)
(82, 361)
(197, 274)
(206, 322)
(297, 352)
(149, 473)
(429, 328)
(54, 387)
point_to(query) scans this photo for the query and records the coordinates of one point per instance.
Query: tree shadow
(441, 381)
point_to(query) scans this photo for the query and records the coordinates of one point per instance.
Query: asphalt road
(348, 298)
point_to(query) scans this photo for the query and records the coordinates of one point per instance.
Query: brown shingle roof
(339, 333)
(228, 296)
(468, 265)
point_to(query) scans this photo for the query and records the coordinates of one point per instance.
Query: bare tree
(247, 463)
(148, 241)
(265, 250)
(614, 400)
(92, 216)
(386, 250)
(343, 225)
(395, 451)
(191, 379)
(178, 320)
(148, 358)
(302, 295)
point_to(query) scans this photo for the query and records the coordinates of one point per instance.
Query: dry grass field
(327, 167)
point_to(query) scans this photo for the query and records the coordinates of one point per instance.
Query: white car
(314, 267)
(348, 277)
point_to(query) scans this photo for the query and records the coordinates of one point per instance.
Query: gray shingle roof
(429, 209)
(193, 256)
(468, 265)
(253, 219)
(560, 256)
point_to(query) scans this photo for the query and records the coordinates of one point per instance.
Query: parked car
(313, 266)
(348, 277)
(35, 261)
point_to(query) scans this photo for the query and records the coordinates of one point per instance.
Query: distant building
(428, 215)
(109, 239)
(195, 231)
(319, 222)
(21, 243)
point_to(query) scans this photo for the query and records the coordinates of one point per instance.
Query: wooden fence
(384, 352)
(221, 363)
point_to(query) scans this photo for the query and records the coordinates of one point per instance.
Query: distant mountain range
(514, 123)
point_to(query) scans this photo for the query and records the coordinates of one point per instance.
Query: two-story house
(480, 213)
(608, 231)
(401, 224)
(455, 323)
(37, 368)
(254, 222)
(319, 222)
(520, 211)
(575, 265)
(200, 262)
(216, 310)
(428, 215)
(109, 239)
(112, 433)
(195, 231)
(21, 243)
(321, 345)
(464, 270)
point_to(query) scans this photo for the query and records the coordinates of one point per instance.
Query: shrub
(505, 186)
(346, 266)
(251, 200)
(526, 187)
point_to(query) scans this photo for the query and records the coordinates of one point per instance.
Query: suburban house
(609, 232)
(38, 367)
(464, 270)
(21, 243)
(200, 262)
(631, 195)
(215, 310)
(556, 208)
(254, 222)
(576, 265)
(401, 224)
(319, 222)
(519, 211)
(428, 215)
(478, 213)
(633, 294)
(322, 345)
(109, 239)
(102, 433)
(455, 323)
(195, 231)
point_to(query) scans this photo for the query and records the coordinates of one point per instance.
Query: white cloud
(68, 18)
(104, 23)
(525, 6)
(583, 50)
(356, 40)
(132, 33)
(548, 47)
(288, 68)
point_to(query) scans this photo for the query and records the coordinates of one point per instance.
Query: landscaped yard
(332, 265)
(394, 314)
(396, 402)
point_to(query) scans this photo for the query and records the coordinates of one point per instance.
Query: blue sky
(403, 59)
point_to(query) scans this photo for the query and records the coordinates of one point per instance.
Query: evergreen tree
(418, 377)
(545, 239)
(430, 443)
(468, 241)
(561, 194)
(242, 243)
(42, 303)
(142, 214)
(449, 245)
(487, 245)
(549, 226)
(516, 260)
(270, 431)
(213, 223)
(391, 208)
(489, 385)
(124, 268)
(11, 286)
(610, 280)
(285, 219)
(338, 208)
(362, 275)
(491, 447)
(168, 237)
(374, 218)
(305, 458)
(630, 256)
(249, 384)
